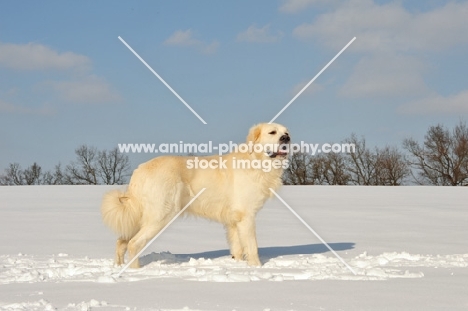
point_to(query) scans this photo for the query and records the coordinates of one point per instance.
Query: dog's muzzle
(283, 148)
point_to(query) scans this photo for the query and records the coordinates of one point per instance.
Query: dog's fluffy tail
(121, 214)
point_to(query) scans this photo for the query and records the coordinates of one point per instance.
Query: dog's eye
(272, 132)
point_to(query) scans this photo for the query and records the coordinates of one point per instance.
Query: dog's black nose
(285, 138)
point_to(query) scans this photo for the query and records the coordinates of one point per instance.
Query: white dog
(235, 191)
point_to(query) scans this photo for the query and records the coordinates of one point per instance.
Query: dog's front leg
(248, 238)
(234, 241)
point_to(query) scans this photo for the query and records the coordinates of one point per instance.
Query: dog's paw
(237, 257)
(118, 264)
(254, 262)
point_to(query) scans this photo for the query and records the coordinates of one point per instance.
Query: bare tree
(322, 169)
(335, 170)
(362, 163)
(16, 176)
(113, 167)
(386, 166)
(391, 167)
(379, 167)
(13, 176)
(443, 158)
(93, 167)
(83, 171)
(55, 177)
(300, 170)
(33, 175)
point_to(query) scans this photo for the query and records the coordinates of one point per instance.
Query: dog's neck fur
(271, 180)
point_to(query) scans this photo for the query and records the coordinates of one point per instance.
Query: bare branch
(443, 158)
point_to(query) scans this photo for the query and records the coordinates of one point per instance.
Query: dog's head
(273, 138)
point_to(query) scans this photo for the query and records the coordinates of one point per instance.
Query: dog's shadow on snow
(265, 253)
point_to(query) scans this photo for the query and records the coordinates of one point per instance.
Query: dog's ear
(254, 134)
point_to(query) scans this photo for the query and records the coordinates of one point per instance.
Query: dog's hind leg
(136, 244)
(120, 250)
(158, 214)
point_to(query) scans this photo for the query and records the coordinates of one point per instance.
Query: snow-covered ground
(408, 245)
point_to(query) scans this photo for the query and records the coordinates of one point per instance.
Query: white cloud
(187, 39)
(34, 56)
(78, 85)
(388, 27)
(295, 6)
(439, 29)
(209, 48)
(88, 89)
(259, 35)
(389, 36)
(386, 75)
(437, 104)
(14, 108)
(182, 38)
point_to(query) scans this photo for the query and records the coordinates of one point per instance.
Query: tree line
(441, 160)
(91, 167)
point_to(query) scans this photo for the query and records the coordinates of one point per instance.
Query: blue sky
(66, 79)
